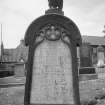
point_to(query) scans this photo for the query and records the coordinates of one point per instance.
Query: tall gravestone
(100, 56)
(86, 55)
(52, 72)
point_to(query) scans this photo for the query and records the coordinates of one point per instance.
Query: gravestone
(86, 56)
(52, 71)
(100, 56)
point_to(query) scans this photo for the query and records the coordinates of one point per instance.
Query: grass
(12, 96)
(91, 93)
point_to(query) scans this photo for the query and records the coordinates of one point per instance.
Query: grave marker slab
(52, 71)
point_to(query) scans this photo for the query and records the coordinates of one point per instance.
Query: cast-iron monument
(52, 69)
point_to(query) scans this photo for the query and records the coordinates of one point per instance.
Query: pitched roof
(94, 40)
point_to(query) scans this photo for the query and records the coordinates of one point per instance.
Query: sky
(16, 16)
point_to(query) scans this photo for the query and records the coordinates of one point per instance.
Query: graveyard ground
(90, 91)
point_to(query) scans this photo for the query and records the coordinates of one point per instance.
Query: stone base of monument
(54, 11)
(100, 70)
(85, 77)
(101, 76)
(19, 70)
(87, 70)
(100, 73)
(87, 73)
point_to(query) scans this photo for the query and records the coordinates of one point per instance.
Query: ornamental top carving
(53, 33)
(61, 24)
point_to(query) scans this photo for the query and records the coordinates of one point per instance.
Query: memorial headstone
(86, 55)
(100, 56)
(52, 71)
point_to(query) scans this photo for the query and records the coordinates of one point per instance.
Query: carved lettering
(52, 74)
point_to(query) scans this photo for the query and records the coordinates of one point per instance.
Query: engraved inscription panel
(52, 74)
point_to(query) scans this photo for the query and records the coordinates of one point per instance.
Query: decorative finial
(56, 4)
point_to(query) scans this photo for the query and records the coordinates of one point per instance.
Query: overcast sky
(16, 15)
